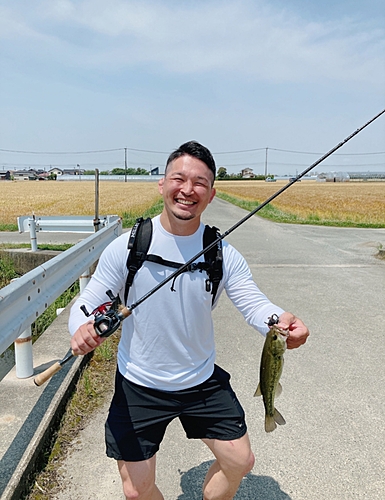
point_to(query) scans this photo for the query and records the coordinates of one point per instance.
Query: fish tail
(270, 424)
(271, 421)
(278, 417)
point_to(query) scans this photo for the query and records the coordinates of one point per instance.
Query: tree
(222, 173)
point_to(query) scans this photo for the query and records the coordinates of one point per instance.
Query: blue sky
(239, 76)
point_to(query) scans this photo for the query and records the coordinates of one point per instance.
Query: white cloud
(245, 38)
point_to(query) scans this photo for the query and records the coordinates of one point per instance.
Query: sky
(282, 80)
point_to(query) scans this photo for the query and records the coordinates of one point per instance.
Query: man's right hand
(85, 339)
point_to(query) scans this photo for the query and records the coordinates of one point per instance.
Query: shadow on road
(252, 487)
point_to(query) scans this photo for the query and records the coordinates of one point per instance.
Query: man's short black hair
(195, 150)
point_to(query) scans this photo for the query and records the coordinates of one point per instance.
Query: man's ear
(213, 193)
(160, 185)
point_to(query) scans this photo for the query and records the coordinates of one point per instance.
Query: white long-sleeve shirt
(168, 341)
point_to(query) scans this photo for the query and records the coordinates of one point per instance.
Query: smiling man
(187, 189)
(166, 355)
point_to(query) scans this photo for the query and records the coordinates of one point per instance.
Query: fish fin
(278, 417)
(258, 391)
(278, 390)
(270, 424)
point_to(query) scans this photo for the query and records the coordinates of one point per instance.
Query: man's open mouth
(185, 202)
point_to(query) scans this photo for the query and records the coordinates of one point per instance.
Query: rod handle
(47, 374)
(50, 372)
(125, 312)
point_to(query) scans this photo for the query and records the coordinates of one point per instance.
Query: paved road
(334, 395)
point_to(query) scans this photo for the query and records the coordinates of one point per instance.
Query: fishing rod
(107, 317)
(250, 214)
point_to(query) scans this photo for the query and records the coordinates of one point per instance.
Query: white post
(32, 231)
(23, 354)
(84, 279)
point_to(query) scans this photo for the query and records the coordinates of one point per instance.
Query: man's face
(187, 188)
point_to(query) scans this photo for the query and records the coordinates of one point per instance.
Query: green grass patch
(94, 386)
(7, 271)
(42, 246)
(9, 227)
(274, 214)
(129, 218)
(48, 316)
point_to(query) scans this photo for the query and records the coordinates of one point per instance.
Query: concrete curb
(33, 412)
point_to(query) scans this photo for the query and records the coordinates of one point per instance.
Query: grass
(41, 246)
(129, 218)
(47, 317)
(92, 389)
(7, 271)
(126, 199)
(351, 204)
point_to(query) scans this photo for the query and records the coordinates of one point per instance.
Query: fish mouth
(283, 333)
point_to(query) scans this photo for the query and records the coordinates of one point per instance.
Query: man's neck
(179, 227)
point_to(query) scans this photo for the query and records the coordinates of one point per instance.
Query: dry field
(359, 202)
(73, 198)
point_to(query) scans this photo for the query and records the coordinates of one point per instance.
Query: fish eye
(275, 337)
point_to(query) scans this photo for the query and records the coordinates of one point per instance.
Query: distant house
(337, 177)
(247, 173)
(56, 171)
(42, 175)
(5, 176)
(73, 171)
(66, 171)
(25, 175)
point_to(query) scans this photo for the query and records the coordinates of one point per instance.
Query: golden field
(73, 198)
(358, 202)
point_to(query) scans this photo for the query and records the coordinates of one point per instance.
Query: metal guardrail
(62, 224)
(65, 224)
(25, 299)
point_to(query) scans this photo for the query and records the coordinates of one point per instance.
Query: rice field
(19, 198)
(361, 203)
(353, 202)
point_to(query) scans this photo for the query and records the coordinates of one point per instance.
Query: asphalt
(333, 392)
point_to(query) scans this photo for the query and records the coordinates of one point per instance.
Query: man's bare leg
(234, 459)
(138, 480)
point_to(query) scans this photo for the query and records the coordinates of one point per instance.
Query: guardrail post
(84, 279)
(32, 232)
(23, 354)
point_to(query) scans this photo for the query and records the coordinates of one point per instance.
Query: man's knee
(249, 463)
(138, 479)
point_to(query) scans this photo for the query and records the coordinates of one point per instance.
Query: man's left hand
(298, 331)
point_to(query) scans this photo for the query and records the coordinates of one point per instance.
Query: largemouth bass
(270, 372)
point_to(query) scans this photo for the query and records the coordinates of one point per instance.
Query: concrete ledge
(28, 413)
(25, 260)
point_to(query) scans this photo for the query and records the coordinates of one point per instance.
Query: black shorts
(139, 416)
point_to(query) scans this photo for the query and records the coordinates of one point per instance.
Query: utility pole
(125, 164)
(266, 163)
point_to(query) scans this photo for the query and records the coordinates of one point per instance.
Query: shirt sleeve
(244, 293)
(110, 274)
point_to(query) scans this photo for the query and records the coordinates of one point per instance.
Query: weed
(7, 271)
(92, 390)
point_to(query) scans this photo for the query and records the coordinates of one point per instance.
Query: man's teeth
(185, 202)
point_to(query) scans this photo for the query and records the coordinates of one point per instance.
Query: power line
(60, 152)
(336, 154)
(166, 153)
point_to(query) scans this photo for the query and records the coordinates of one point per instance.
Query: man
(166, 353)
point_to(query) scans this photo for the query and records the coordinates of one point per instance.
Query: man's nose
(187, 187)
